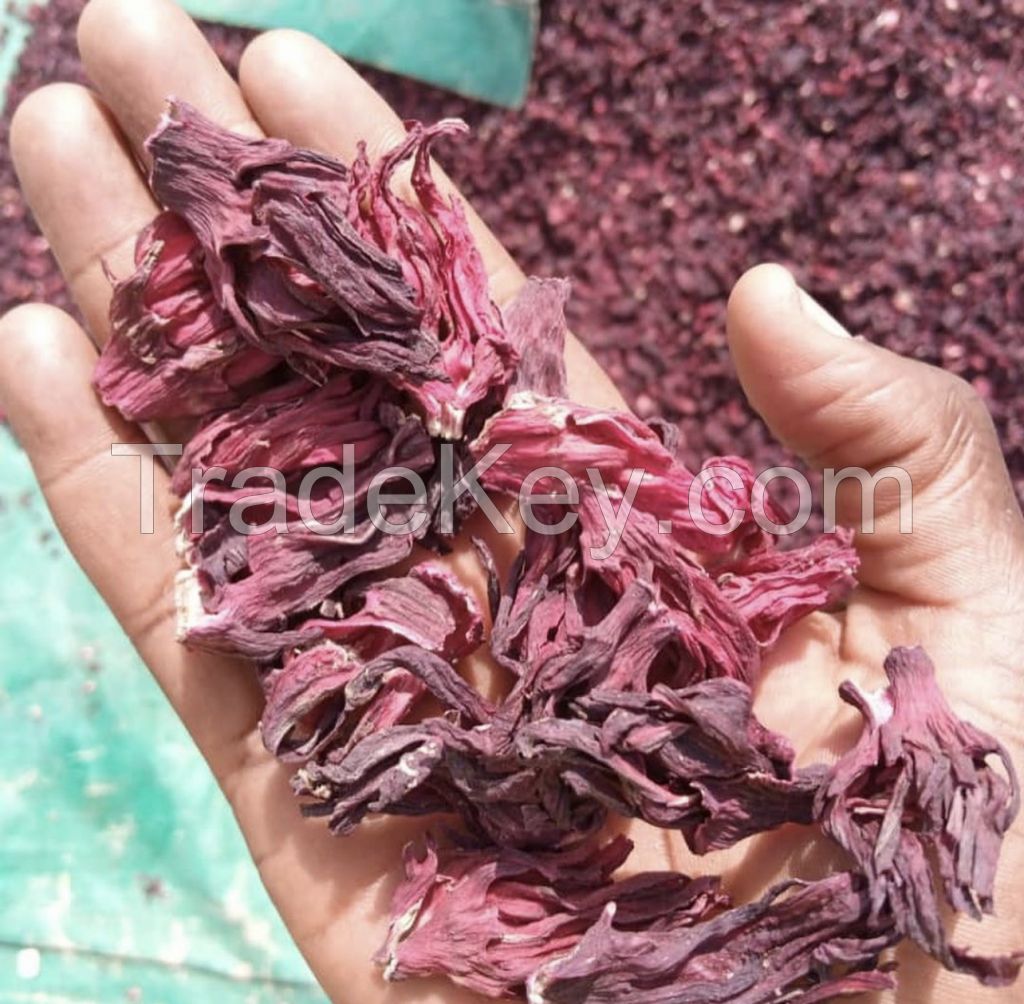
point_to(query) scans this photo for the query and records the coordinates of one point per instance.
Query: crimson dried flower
(491, 918)
(800, 942)
(311, 318)
(173, 350)
(920, 809)
(671, 521)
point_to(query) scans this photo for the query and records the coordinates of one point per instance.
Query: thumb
(841, 402)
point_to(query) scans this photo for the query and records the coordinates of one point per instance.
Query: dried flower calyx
(920, 808)
(335, 342)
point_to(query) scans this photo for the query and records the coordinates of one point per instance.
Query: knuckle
(959, 393)
(35, 323)
(49, 112)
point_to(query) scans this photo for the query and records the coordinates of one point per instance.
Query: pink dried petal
(327, 696)
(774, 589)
(429, 608)
(919, 808)
(292, 428)
(490, 918)
(543, 431)
(254, 594)
(431, 239)
(281, 256)
(172, 351)
(800, 942)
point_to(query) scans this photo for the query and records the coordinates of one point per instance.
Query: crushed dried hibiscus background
(877, 149)
(307, 315)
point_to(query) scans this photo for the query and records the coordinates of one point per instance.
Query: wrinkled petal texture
(920, 808)
(800, 942)
(173, 351)
(491, 919)
(327, 331)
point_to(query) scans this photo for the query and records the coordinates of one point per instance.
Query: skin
(956, 583)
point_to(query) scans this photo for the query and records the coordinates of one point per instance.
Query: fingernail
(817, 313)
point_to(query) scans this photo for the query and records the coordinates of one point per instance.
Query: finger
(138, 53)
(85, 190)
(333, 895)
(302, 91)
(95, 500)
(842, 402)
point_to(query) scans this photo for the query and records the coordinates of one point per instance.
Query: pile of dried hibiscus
(336, 342)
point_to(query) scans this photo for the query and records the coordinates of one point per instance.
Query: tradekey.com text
(397, 500)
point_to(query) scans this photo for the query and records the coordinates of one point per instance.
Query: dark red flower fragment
(326, 324)
(800, 942)
(282, 256)
(173, 350)
(672, 525)
(586, 728)
(696, 760)
(327, 696)
(773, 588)
(327, 266)
(256, 585)
(491, 918)
(921, 810)
(433, 242)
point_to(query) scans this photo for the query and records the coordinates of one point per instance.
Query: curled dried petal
(920, 808)
(490, 918)
(807, 943)
(173, 351)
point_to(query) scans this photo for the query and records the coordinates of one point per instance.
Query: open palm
(956, 583)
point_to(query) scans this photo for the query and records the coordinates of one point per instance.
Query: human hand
(955, 584)
(71, 150)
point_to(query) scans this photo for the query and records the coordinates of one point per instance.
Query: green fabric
(481, 48)
(13, 33)
(122, 873)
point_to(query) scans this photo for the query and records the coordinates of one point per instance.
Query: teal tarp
(481, 48)
(122, 873)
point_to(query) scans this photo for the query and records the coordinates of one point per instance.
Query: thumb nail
(817, 313)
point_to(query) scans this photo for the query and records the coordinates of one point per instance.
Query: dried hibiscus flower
(584, 727)
(431, 239)
(324, 330)
(920, 809)
(173, 351)
(800, 942)
(668, 522)
(326, 266)
(491, 918)
(281, 254)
